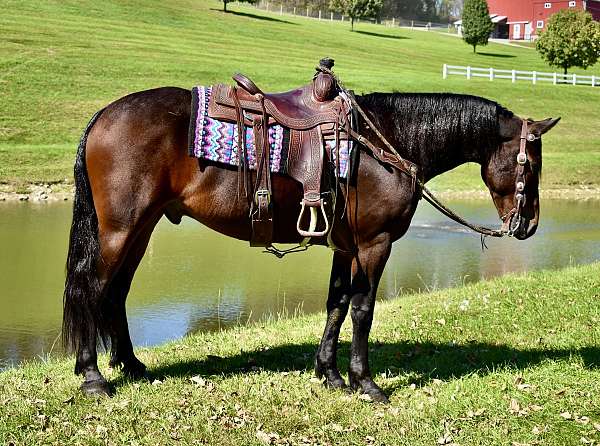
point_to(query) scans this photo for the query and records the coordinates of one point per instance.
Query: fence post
(554, 80)
(267, 6)
(468, 73)
(534, 78)
(342, 17)
(593, 80)
(491, 74)
(331, 17)
(307, 11)
(294, 10)
(445, 71)
(412, 24)
(514, 76)
(319, 14)
(393, 21)
(281, 9)
(574, 79)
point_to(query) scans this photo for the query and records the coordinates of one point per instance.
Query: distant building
(526, 18)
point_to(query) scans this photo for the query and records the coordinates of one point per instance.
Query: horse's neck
(434, 161)
(434, 154)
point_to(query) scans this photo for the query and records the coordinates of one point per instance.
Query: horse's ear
(538, 128)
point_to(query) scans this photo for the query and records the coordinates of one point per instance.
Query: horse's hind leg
(120, 341)
(338, 302)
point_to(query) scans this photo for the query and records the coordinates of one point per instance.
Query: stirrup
(313, 220)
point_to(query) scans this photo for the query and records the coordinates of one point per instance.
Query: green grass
(60, 61)
(494, 363)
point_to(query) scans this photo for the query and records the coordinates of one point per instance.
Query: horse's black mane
(434, 126)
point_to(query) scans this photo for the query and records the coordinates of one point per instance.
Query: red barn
(525, 18)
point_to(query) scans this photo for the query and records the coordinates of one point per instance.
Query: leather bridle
(512, 219)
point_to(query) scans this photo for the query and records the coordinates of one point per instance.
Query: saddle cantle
(314, 114)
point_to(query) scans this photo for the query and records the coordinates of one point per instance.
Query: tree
(571, 39)
(231, 1)
(357, 9)
(476, 23)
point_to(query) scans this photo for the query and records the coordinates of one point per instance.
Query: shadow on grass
(502, 56)
(423, 361)
(385, 36)
(254, 16)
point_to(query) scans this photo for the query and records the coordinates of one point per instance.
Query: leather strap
(261, 211)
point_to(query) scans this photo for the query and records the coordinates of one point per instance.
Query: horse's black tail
(82, 315)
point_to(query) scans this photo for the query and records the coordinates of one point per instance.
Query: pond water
(193, 279)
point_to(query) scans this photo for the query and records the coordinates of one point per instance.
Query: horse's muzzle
(525, 229)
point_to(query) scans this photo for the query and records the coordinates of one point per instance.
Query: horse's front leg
(338, 302)
(367, 268)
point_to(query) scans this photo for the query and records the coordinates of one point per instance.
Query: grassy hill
(60, 61)
(513, 361)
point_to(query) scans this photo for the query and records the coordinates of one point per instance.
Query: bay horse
(132, 167)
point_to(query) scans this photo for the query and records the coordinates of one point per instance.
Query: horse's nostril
(532, 228)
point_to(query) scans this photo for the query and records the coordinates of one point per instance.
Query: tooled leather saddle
(313, 114)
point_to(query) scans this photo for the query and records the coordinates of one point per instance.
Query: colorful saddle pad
(217, 141)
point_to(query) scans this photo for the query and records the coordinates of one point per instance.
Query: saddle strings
(426, 193)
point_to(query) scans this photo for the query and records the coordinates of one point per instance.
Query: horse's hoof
(377, 396)
(138, 372)
(96, 387)
(338, 383)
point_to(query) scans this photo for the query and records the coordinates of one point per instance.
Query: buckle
(521, 159)
(262, 193)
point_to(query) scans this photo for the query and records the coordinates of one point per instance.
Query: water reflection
(193, 279)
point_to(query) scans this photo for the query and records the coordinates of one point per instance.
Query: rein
(395, 159)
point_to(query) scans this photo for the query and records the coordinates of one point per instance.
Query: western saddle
(314, 114)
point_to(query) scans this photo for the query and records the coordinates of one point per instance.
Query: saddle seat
(312, 113)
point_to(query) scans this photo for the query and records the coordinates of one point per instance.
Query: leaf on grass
(566, 415)
(582, 420)
(446, 439)
(315, 380)
(475, 414)
(369, 439)
(519, 380)
(427, 391)
(535, 407)
(515, 407)
(196, 379)
(441, 321)
(597, 426)
(69, 400)
(267, 437)
(561, 392)
(586, 441)
(365, 397)
(156, 382)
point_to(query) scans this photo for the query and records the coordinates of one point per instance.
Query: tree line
(425, 10)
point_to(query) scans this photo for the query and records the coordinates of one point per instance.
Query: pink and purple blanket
(217, 141)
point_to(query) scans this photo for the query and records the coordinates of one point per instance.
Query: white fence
(516, 75)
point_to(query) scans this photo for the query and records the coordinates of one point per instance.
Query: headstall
(512, 219)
